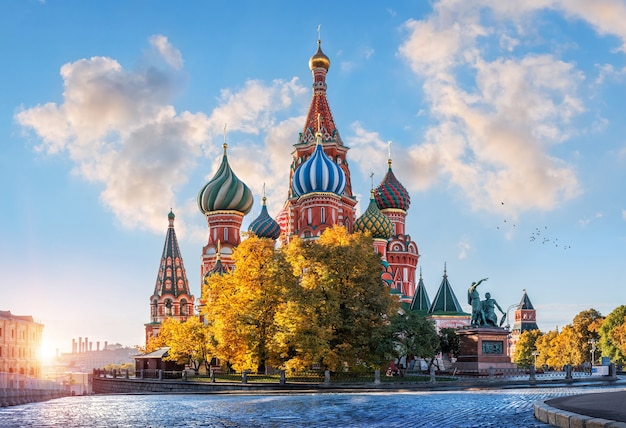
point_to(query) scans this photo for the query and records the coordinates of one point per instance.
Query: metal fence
(432, 376)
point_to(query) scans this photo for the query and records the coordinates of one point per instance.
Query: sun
(47, 353)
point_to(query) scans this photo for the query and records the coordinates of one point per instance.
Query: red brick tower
(171, 297)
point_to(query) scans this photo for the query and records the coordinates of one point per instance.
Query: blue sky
(506, 120)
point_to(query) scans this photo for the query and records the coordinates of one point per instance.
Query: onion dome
(374, 221)
(318, 174)
(265, 226)
(319, 59)
(225, 192)
(390, 193)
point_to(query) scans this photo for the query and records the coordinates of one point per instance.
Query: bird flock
(538, 235)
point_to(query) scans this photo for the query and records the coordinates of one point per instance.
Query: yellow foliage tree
(544, 348)
(564, 349)
(240, 306)
(339, 312)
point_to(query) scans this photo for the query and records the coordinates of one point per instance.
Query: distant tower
(402, 254)
(171, 297)
(445, 309)
(525, 320)
(320, 191)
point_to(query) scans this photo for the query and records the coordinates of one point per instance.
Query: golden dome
(319, 59)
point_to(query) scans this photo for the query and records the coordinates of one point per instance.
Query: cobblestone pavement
(470, 408)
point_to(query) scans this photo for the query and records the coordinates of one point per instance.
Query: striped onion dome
(318, 174)
(225, 192)
(374, 221)
(265, 226)
(390, 193)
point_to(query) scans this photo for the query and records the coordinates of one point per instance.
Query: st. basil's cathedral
(319, 195)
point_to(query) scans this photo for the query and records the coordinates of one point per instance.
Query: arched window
(183, 307)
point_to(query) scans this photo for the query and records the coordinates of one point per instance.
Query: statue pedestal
(483, 347)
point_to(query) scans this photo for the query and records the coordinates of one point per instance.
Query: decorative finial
(389, 153)
(445, 269)
(319, 33)
(372, 181)
(264, 198)
(225, 145)
(218, 257)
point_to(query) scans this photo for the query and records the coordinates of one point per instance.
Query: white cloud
(119, 129)
(464, 247)
(496, 118)
(169, 53)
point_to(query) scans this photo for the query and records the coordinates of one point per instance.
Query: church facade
(319, 195)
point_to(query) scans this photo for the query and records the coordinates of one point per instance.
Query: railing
(491, 375)
(20, 389)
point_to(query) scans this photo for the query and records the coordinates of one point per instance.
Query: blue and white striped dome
(318, 174)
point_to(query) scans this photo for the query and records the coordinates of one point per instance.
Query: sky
(506, 121)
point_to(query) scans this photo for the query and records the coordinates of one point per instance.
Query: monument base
(483, 347)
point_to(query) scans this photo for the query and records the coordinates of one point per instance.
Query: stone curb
(564, 419)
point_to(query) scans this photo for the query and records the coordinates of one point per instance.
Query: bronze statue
(473, 298)
(488, 306)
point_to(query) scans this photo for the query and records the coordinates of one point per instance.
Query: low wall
(145, 386)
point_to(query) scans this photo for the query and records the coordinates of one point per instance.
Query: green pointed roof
(445, 301)
(420, 302)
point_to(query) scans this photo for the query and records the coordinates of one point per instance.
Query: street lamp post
(593, 342)
(534, 354)
(515, 305)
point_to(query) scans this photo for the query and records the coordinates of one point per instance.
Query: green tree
(449, 342)
(411, 334)
(610, 340)
(525, 347)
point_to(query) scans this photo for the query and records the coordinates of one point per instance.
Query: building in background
(20, 344)
(445, 309)
(525, 319)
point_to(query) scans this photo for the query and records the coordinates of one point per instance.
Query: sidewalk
(604, 409)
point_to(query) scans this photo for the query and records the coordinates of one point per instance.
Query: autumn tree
(187, 342)
(611, 335)
(240, 306)
(584, 325)
(565, 349)
(341, 310)
(543, 345)
(525, 347)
